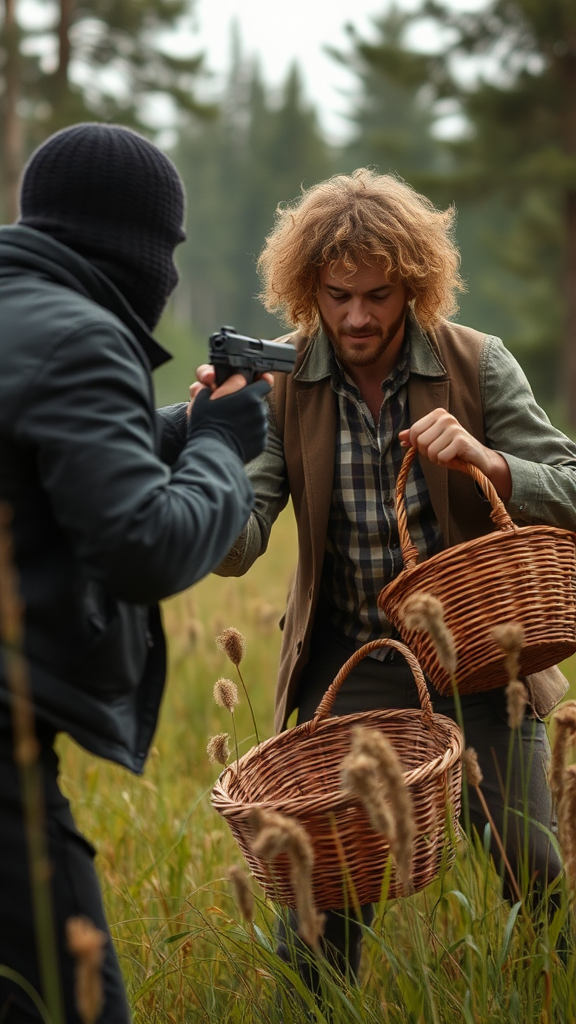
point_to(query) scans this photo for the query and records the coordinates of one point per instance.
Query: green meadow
(454, 952)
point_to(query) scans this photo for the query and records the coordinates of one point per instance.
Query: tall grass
(455, 952)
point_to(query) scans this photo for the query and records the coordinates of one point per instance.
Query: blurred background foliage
(510, 168)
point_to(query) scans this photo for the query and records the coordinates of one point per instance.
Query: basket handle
(498, 515)
(326, 704)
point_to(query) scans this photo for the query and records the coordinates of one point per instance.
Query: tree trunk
(64, 52)
(13, 141)
(570, 213)
(570, 306)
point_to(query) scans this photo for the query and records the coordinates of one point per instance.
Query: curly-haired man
(366, 270)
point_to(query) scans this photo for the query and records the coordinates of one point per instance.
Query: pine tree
(107, 59)
(394, 114)
(522, 148)
(260, 151)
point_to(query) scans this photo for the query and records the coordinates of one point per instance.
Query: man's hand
(207, 379)
(238, 416)
(444, 441)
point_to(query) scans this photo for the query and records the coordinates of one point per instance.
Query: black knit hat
(116, 199)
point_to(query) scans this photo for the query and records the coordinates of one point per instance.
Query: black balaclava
(116, 199)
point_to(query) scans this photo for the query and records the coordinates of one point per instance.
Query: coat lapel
(317, 424)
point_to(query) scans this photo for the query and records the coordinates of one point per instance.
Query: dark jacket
(103, 527)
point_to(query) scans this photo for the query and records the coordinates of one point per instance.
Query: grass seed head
(564, 737)
(242, 892)
(567, 827)
(359, 775)
(516, 701)
(276, 834)
(86, 943)
(226, 694)
(510, 637)
(473, 770)
(373, 771)
(218, 749)
(233, 644)
(425, 612)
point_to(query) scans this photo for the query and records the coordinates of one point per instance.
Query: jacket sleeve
(267, 474)
(172, 424)
(140, 528)
(542, 460)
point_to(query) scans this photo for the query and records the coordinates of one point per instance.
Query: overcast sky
(280, 31)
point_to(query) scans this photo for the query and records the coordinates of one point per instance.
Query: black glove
(239, 419)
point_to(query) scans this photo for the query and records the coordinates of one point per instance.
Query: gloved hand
(239, 419)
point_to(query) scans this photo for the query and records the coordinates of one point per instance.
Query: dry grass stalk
(86, 943)
(196, 632)
(567, 827)
(474, 777)
(424, 611)
(359, 776)
(233, 644)
(276, 834)
(473, 770)
(226, 694)
(11, 604)
(217, 749)
(242, 892)
(564, 737)
(373, 771)
(563, 786)
(516, 701)
(510, 637)
(26, 751)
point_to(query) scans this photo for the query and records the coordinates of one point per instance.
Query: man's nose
(358, 313)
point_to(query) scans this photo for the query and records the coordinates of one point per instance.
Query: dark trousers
(389, 684)
(75, 891)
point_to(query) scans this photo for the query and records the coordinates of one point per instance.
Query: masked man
(112, 505)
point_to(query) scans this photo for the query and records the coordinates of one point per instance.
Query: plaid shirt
(362, 547)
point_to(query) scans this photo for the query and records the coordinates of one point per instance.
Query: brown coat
(448, 370)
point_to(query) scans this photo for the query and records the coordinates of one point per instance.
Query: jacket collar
(424, 359)
(23, 248)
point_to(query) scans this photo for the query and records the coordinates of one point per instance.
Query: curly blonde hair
(361, 217)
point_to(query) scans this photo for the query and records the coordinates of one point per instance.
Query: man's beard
(347, 356)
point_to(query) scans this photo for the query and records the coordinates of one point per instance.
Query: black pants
(389, 684)
(75, 891)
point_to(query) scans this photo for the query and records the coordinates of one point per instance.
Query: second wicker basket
(297, 774)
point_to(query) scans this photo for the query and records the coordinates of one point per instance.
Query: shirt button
(521, 507)
(389, 501)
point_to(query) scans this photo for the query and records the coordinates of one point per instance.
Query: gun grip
(223, 372)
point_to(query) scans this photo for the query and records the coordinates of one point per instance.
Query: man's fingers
(206, 374)
(230, 385)
(237, 381)
(194, 391)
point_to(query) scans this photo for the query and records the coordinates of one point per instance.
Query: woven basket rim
(228, 805)
(518, 536)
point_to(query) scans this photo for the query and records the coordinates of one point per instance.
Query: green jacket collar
(424, 360)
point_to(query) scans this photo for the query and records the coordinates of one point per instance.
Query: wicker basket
(521, 574)
(297, 773)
